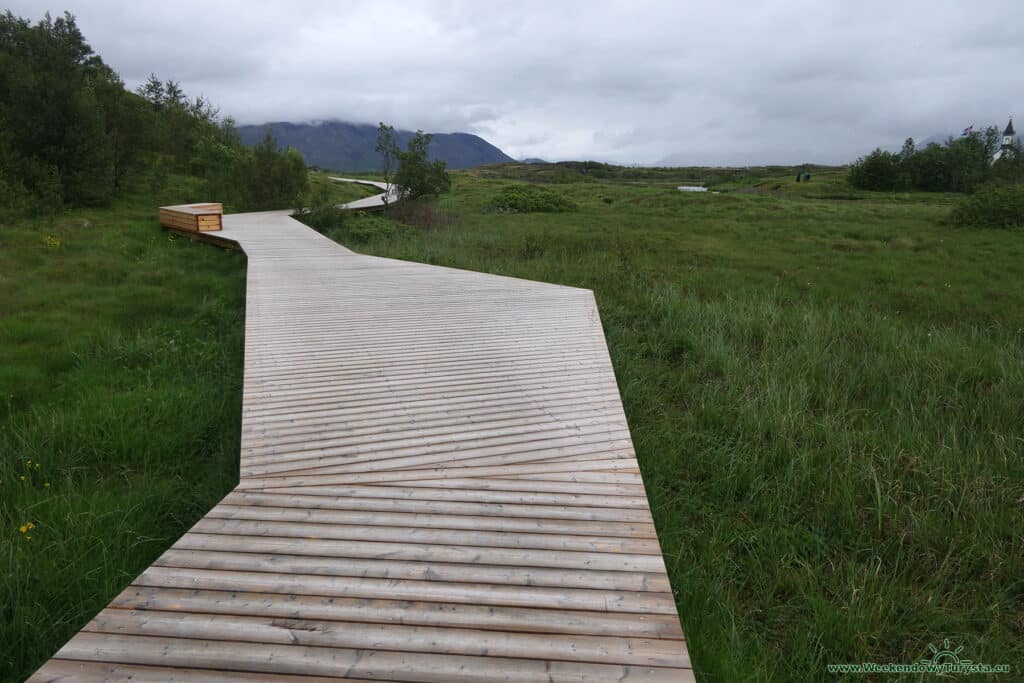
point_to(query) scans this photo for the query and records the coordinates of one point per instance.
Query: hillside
(350, 146)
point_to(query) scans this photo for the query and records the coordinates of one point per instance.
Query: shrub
(360, 228)
(992, 206)
(368, 227)
(322, 213)
(879, 170)
(267, 178)
(529, 199)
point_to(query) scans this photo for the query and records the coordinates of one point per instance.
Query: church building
(1009, 140)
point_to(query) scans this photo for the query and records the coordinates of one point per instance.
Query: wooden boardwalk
(373, 202)
(437, 484)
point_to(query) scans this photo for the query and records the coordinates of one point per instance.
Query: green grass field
(825, 389)
(120, 403)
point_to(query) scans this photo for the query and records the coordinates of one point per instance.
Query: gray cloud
(622, 81)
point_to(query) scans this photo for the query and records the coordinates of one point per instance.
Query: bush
(368, 227)
(360, 228)
(267, 178)
(992, 206)
(879, 170)
(530, 199)
(322, 213)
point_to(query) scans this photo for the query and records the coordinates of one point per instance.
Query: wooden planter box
(192, 217)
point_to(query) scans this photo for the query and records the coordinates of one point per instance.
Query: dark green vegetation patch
(993, 206)
(522, 198)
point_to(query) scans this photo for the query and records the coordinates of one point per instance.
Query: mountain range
(342, 146)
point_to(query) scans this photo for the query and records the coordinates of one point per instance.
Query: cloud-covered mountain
(342, 146)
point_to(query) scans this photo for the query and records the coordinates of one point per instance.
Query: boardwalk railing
(437, 484)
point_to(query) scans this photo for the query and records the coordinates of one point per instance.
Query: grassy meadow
(120, 405)
(825, 389)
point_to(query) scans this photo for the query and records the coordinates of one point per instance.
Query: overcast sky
(630, 82)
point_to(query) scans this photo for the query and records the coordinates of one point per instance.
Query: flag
(968, 130)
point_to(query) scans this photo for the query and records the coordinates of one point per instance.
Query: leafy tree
(268, 179)
(417, 177)
(153, 91)
(970, 159)
(906, 160)
(908, 150)
(879, 170)
(174, 96)
(1009, 169)
(960, 165)
(48, 101)
(929, 169)
(128, 120)
(71, 134)
(387, 147)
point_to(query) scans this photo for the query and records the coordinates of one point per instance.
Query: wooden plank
(349, 499)
(511, 595)
(301, 660)
(433, 460)
(458, 492)
(60, 670)
(426, 552)
(471, 448)
(218, 239)
(423, 613)
(380, 533)
(508, 422)
(389, 568)
(300, 513)
(395, 637)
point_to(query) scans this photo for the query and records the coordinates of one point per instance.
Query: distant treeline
(72, 135)
(960, 165)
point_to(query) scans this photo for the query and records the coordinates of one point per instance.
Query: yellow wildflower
(22, 477)
(30, 526)
(23, 528)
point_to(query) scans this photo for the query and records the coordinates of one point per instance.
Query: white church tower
(1008, 141)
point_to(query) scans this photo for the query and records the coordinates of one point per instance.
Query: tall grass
(120, 383)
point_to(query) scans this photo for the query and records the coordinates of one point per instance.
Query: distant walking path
(437, 485)
(374, 202)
